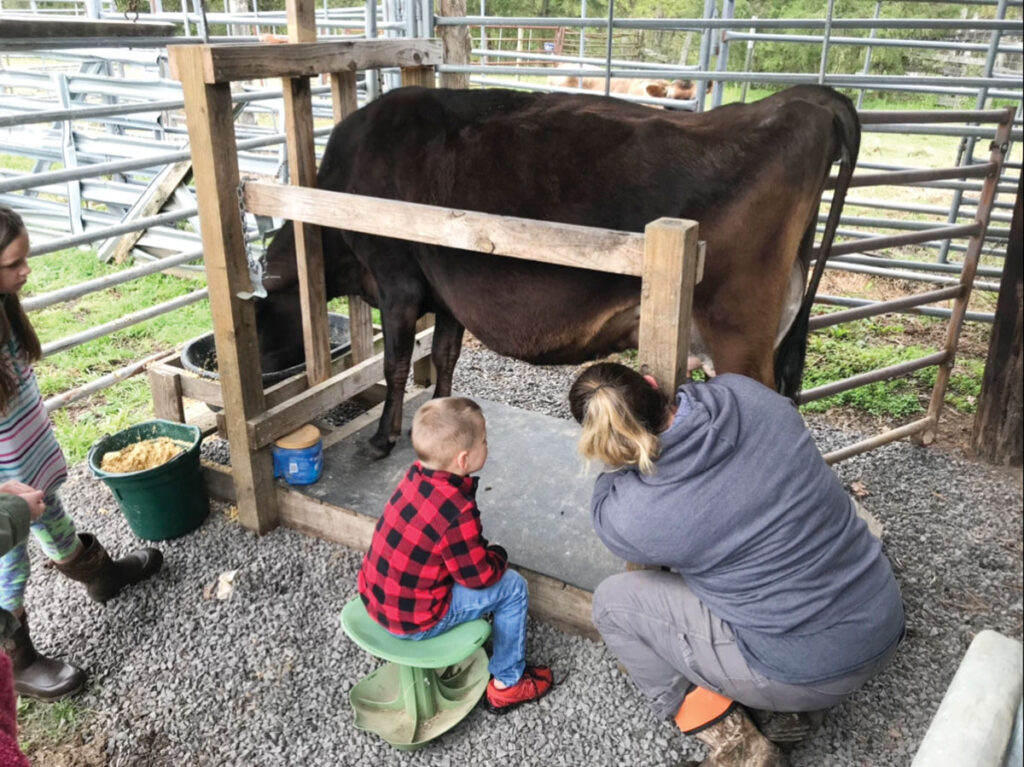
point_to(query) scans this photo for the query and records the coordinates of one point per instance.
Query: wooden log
(999, 422)
(210, 120)
(582, 247)
(254, 61)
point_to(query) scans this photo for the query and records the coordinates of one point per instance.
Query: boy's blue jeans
(507, 600)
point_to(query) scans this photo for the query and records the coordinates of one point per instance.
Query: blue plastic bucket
(299, 457)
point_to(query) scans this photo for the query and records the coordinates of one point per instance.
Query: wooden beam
(289, 415)
(166, 391)
(253, 61)
(671, 265)
(457, 44)
(298, 103)
(567, 607)
(582, 247)
(210, 119)
(423, 77)
(23, 29)
(150, 202)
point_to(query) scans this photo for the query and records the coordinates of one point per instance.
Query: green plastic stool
(426, 688)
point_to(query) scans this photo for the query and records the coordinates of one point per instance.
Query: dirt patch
(74, 753)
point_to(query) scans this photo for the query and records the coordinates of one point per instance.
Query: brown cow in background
(751, 175)
(682, 90)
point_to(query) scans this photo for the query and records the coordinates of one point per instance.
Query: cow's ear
(657, 90)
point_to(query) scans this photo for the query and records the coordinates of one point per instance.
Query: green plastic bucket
(163, 502)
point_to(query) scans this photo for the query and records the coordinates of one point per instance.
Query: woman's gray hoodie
(743, 506)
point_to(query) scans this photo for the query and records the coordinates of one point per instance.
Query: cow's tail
(789, 358)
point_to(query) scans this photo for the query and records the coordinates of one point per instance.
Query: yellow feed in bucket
(140, 456)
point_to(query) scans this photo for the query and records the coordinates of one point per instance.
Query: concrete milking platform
(534, 493)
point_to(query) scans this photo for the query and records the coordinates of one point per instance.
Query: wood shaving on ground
(140, 456)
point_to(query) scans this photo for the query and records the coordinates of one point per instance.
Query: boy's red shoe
(535, 683)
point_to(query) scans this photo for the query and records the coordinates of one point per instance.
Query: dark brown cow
(751, 175)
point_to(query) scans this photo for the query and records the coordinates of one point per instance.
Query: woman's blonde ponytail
(621, 415)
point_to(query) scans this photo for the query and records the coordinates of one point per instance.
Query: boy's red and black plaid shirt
(428, 538)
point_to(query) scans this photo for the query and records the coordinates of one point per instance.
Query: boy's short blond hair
(445, 426)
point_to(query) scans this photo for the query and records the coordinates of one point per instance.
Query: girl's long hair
(621, 414)
(13, 320)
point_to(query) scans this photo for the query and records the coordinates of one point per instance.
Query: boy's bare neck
(451, 468)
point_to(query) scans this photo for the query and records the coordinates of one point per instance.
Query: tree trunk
(997, 434)
(457, 44)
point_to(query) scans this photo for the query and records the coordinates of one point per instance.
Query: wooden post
(673, 263)
(211, 132)
(360, 319)
(672, 266)
(423, 372)
(166, 391)
(298, 110)
(998, 424)
(457, 44)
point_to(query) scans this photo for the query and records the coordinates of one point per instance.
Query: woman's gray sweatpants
(669, 641)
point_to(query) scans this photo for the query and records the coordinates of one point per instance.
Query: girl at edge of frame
(29, 454)
(774, 601)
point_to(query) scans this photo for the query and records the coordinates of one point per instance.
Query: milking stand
(547, 531)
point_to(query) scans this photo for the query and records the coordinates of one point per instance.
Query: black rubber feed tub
(200, 354)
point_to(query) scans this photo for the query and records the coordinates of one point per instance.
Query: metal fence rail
(111, 153)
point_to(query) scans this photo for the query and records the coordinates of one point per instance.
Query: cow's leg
(445, 350)
(398, 317)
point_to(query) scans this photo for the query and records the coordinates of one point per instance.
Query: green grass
(126, 403)
(859, 347)
(45, 724)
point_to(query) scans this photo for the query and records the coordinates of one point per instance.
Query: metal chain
(133, 8)
(257, 264)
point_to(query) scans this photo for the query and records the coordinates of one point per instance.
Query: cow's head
(279, 315)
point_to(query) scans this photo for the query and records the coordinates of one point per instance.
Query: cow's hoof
(380, 449)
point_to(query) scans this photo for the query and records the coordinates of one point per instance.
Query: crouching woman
(777, 601)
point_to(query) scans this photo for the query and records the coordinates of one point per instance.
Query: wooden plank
(23, 29)
(424, 373)
(301, 15)
(567, 607)
(293, 413)
(583, 247)
(360, 328)
(210, 120)
(423, 77)
(671, 264)
(166, 391)
(316, 339)
(150, 202)
(224, 63)
(344, 99)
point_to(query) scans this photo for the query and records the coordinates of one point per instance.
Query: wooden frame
(665, 257)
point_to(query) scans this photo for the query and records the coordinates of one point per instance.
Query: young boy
(429, 568)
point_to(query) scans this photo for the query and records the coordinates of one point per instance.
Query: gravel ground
(179, 677)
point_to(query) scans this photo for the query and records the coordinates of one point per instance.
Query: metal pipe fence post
(370, 22)
(826, 41)
(867, 53)
(608, 49)
(710, 12)
(747, 62)
(968, 144)
(728, 7)
(583, 30)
